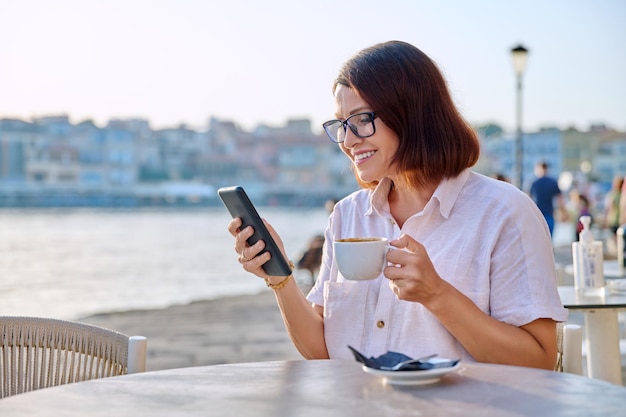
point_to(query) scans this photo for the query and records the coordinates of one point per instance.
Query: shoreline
(231, 329)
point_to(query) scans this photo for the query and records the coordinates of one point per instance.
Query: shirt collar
(446, 194)
(379, 199)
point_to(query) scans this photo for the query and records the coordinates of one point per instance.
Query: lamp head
(520, 55)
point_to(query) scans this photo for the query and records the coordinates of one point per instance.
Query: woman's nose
(351, 139)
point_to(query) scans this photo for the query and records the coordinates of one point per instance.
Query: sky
(255, 62)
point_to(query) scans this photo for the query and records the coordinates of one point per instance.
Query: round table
(323, 388)
(601, 330)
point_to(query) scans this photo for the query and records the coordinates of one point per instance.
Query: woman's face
(371, 156)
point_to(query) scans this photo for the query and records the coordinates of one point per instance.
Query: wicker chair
(569, 344)
(42, 352)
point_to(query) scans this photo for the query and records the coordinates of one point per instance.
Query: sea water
(71, 263)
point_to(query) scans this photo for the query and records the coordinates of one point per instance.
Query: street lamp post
(520, 55)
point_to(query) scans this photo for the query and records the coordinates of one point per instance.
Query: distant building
(50, 160)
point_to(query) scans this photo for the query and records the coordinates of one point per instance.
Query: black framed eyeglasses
(361, 124)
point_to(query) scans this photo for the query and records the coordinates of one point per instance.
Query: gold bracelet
(282, 283)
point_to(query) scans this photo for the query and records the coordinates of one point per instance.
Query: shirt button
(380, 324)
(392, 221)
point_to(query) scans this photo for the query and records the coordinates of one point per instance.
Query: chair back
(43, 352)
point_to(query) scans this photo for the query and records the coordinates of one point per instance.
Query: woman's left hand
(412, 277)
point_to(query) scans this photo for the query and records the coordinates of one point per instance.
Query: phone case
(239, 205)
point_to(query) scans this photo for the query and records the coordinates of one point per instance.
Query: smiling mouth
(363, 156)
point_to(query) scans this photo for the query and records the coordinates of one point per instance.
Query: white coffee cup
(361, 258)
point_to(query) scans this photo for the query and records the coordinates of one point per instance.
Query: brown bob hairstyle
(406, 90)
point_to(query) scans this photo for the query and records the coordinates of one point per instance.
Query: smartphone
(239, 205)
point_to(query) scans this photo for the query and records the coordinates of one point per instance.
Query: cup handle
(388, 248)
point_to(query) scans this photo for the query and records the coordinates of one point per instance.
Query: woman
(473, 275)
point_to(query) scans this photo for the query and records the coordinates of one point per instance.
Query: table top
(574, 300)
(325, 388)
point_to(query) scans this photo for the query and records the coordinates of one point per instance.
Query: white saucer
(428, 376)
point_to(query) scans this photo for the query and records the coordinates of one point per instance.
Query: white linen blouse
(484, 236)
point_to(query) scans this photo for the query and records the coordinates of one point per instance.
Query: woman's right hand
(306, 321)
(249, 255)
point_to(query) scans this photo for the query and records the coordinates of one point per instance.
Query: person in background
(583, 209)
(622, 204)
(622, 214)
(312, 257)
(544, 190)
(612, 209)
(472, 274)
(502, 177)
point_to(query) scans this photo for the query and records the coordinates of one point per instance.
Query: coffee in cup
(361, 258)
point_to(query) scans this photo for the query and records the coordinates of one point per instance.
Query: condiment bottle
(588, 259)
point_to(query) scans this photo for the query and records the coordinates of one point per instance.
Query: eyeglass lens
(361, 124)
